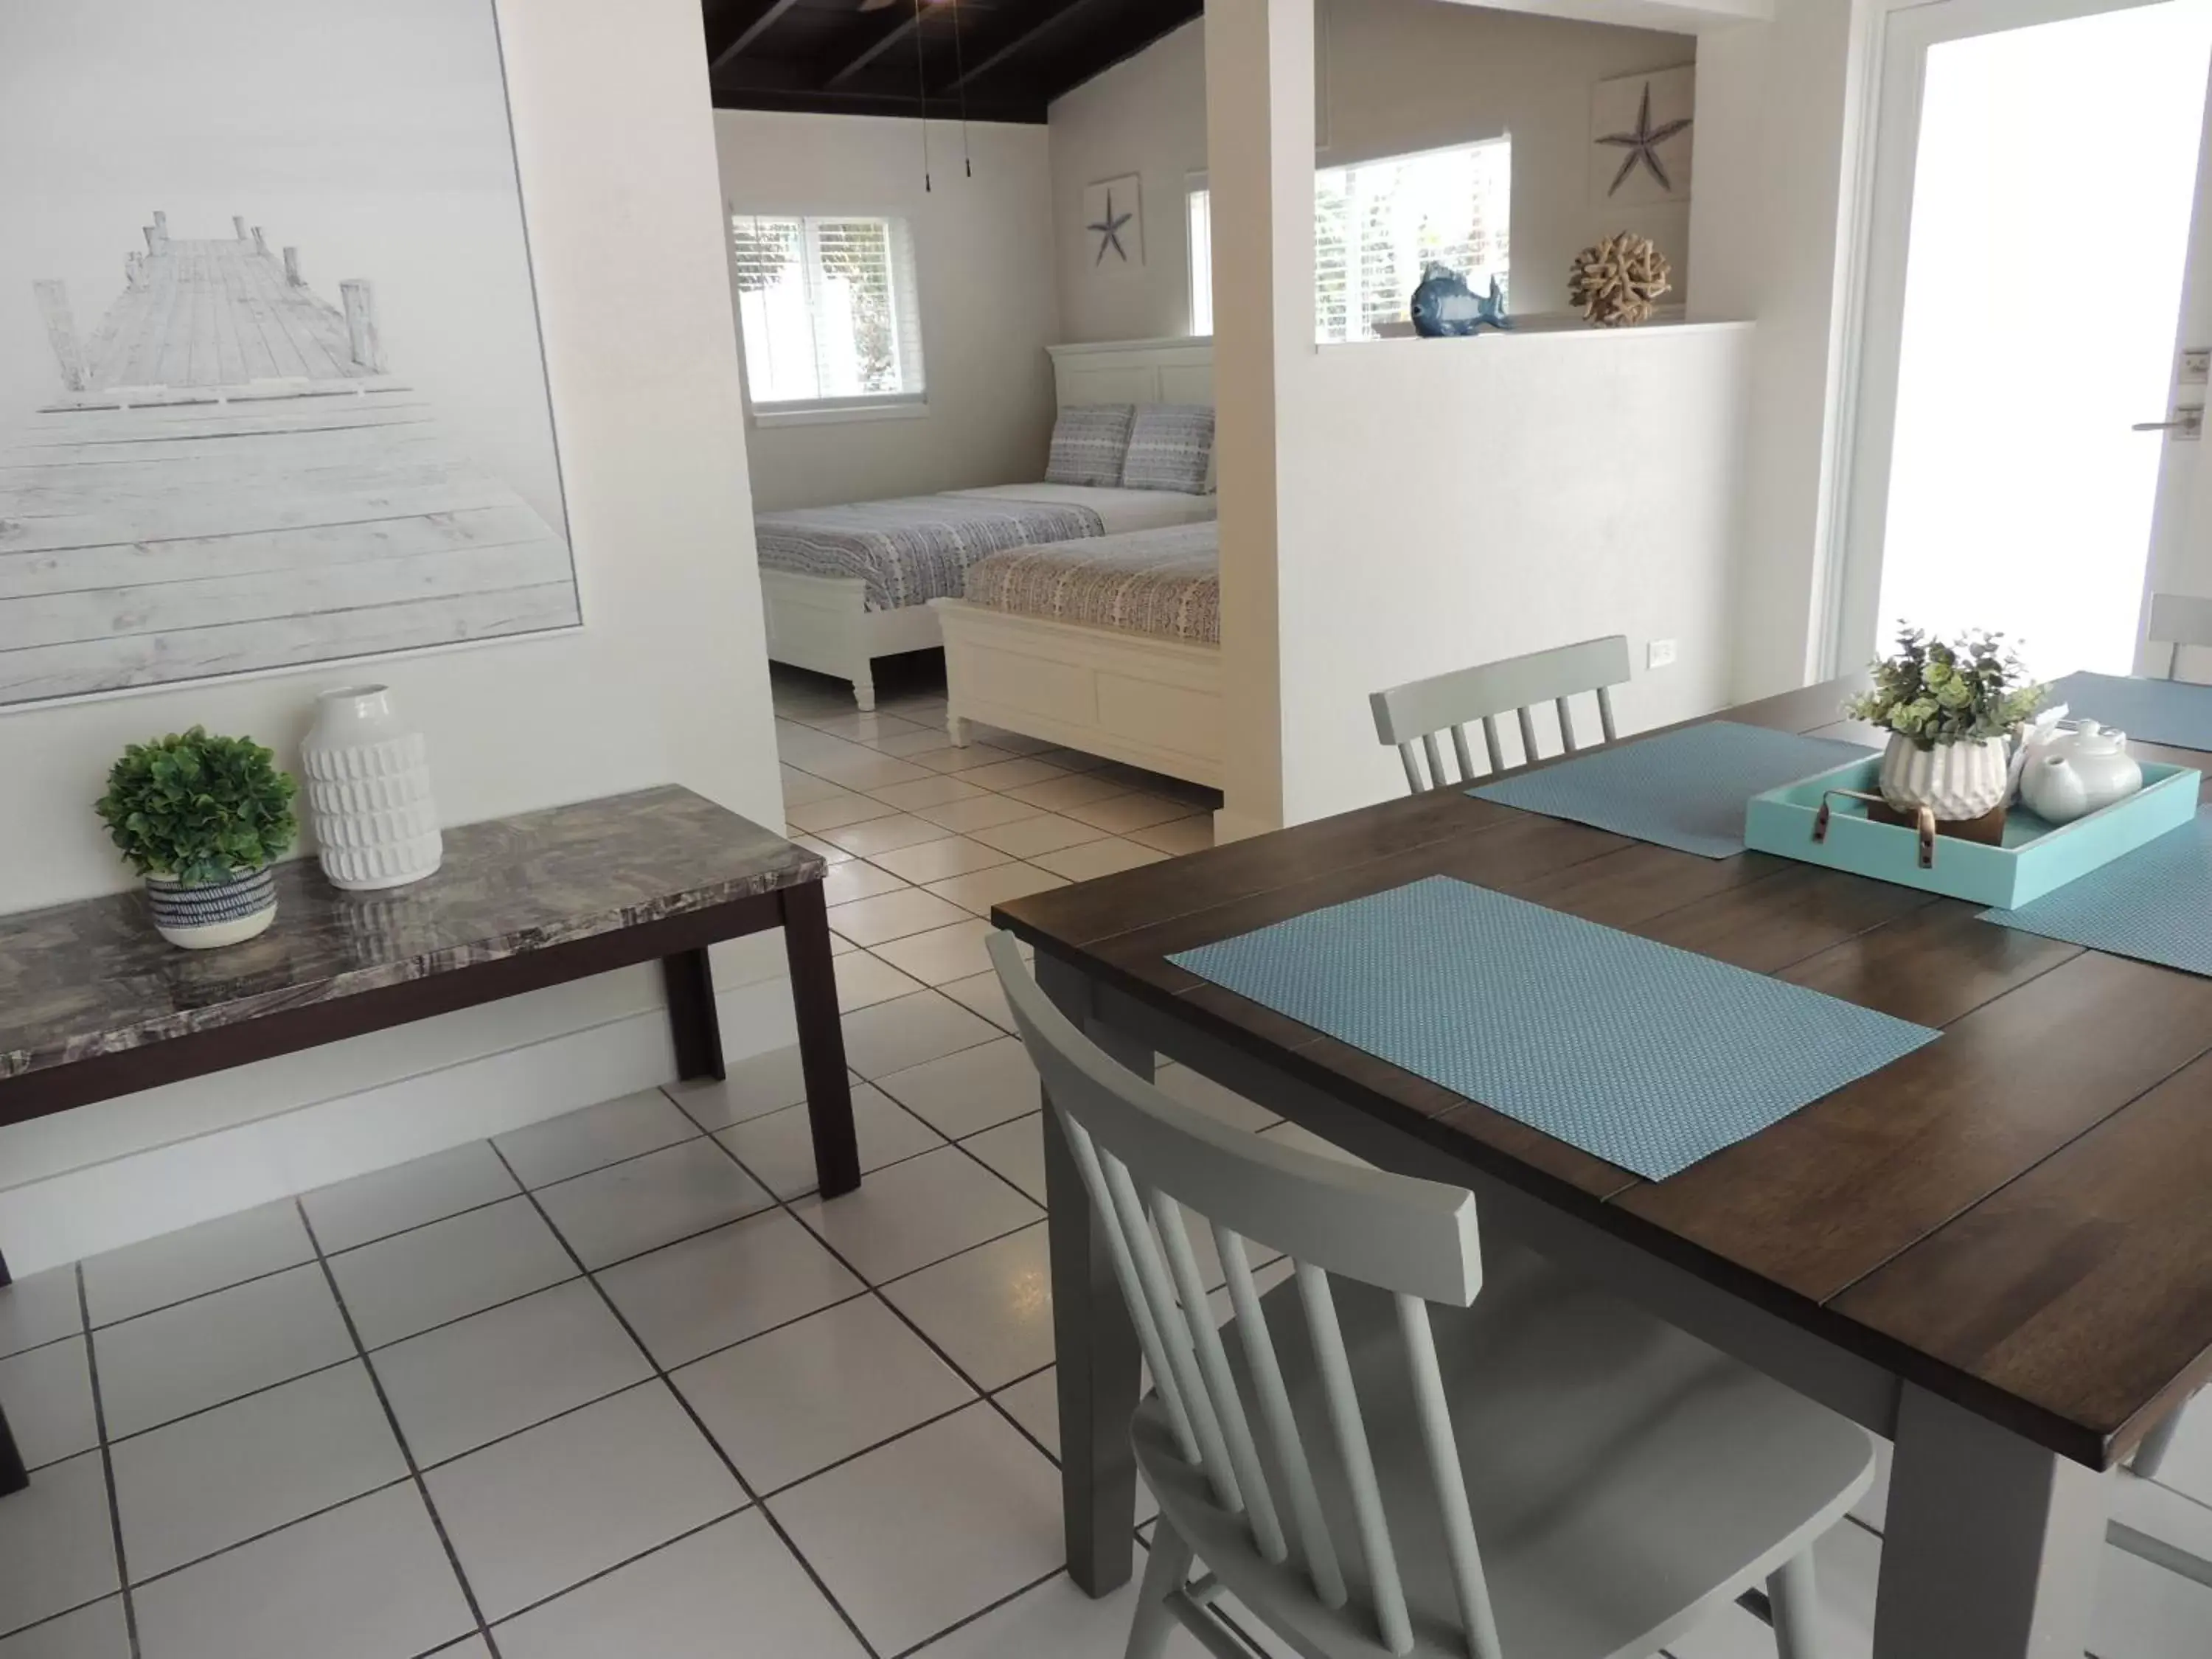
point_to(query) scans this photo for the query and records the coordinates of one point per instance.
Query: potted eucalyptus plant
(1951, 707)
(201, 819)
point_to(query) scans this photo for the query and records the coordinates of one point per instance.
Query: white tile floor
(617, 1384)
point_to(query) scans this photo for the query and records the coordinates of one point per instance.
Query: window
(827, 311)
(1376, 226)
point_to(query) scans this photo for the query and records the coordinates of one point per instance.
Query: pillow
(1171, 448)
(1088, 443)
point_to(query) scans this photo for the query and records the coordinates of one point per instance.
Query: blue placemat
(2154, 904)
(1683, 789)
(2155, 711)
(1647, 1057)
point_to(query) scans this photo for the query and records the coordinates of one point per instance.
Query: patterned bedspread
(915, 548)
(1164, 581)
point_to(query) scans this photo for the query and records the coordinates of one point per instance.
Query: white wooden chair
(2178, 620)
(1420, 711)
(1388, 1463)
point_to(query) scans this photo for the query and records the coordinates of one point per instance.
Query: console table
(93, 1004)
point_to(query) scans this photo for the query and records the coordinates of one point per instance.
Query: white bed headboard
(1134, 371)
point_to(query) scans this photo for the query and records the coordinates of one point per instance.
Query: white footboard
(822, 622)
(1137, 698)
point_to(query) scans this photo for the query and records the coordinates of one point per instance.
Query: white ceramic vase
(368, 791)
(1955, 780)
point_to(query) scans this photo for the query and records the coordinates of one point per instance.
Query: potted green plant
(200, 818)
(1951, 707)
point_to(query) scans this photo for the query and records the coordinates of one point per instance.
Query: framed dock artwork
(271, 389)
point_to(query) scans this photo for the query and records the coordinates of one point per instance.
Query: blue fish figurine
(1444, 306)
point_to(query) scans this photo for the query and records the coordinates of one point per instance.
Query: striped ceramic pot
(224, 912)
(368, 792)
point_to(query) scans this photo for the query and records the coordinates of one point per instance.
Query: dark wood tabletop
(2017, 1216)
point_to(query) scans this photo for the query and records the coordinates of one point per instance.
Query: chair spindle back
(1412, 717)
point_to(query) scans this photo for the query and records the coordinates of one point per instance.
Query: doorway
(2037, 172)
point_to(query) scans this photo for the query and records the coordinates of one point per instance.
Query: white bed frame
(1139, 698)
(822, 622)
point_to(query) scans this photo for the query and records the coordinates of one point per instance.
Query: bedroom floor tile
(908, 1030)
(1011, 774)
(864, 980)
(884, 835)
(966, 759)
(960, 1093)
(1072, 789)
(913, 746)
(937, 861)
(871, 921)
(1177, 835)
(916, 1213)
(1047, 832)
(778, 1149)
(866, 769)
(844, 808)
(39, 1308)
(412, 1194)
(1134, 811)
(1093, 859)
(943, 954)
(856, 727)
(985, 888)
(967, 816)
(940, 789)
(857, 879)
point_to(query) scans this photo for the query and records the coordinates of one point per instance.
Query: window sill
(839, 413)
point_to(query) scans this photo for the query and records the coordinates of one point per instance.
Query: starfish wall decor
(1111, 209)
(1640, 145)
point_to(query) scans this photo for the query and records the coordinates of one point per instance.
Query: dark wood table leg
(691, 1019)
(821, 1039)
(13, 1476)
(1093, 1341)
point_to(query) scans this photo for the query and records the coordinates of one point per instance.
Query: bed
(1110, 644)
(842, 585)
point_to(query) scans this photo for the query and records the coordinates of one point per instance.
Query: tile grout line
(399, 1435)
(107, 1469)
(698, 1423)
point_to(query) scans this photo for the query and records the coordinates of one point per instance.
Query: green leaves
(199, 808)
(1949, 691)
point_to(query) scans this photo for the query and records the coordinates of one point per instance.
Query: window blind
(1377, 225)
(829, 310)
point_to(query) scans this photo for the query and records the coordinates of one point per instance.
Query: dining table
(1994, 1252)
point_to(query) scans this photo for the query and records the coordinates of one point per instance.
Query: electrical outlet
(1659, 654)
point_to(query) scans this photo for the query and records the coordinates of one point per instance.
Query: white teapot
(2070, 774)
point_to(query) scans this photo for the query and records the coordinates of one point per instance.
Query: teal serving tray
(2036, 858)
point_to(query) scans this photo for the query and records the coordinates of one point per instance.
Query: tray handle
(1924, 819)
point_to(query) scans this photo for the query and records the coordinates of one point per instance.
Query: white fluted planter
(368, 792)
(1959, 781)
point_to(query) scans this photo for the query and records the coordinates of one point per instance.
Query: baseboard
(116, 1201)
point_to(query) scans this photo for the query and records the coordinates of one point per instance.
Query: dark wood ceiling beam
(1011, 43)
(1019, 108)
(846, 62)
(751, 20)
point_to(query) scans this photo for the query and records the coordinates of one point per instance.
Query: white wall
(1435, 503)
(1552, 488)
(666, 681)
(1773, 186)
(983, 250)
(1393, 76)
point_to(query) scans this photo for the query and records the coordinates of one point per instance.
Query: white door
(2035, 219)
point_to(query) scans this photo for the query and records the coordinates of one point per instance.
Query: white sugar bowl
(2073, 773)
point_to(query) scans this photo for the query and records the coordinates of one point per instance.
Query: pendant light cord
(921, 95)
(960, 70)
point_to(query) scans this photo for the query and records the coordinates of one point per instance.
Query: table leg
(689, 979)
(1094, 1344)
(821, 1039)
(1992, 1544)
(13, 1476)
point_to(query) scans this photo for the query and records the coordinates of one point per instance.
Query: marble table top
(94, 977)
